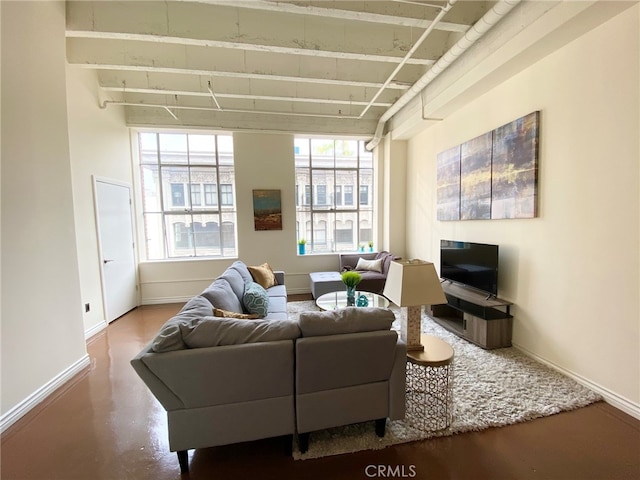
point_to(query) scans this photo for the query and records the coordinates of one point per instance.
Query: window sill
(191, 259)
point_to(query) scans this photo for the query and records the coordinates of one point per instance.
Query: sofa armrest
(158, 388)
(202, 377)
(398, 383)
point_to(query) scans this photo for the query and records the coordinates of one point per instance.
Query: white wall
(42, 332)
(100, 146)
(573, 272)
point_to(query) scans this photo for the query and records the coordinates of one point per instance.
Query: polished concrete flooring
(104, 424)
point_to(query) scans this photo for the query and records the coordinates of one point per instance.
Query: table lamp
(411, 284)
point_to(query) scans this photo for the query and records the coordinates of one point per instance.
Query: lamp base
(410, 323)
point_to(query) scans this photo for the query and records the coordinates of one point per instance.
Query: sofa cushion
(217, 312)
(277, 304)
(370, 265)
(242, 269)
(215, 331)
(263, 274)
(221, 295)
(276, 316)
(277, 291)
(255, 299)
(170, 336)
(372, 276)
(236, 281)
(345, 320)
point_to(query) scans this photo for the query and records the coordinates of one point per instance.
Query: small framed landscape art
(267, 210)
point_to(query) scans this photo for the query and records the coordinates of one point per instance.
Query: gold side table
(430, 385)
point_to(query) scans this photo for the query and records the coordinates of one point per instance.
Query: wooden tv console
(485, 321)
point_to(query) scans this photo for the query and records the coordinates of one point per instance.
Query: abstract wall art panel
(493, 176)
(449, 184)
(515, 169)
(475, 178)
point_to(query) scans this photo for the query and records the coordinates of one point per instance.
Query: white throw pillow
(371, 265)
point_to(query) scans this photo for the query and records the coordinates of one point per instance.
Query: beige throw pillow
(370, 265)
(217, 312)
(263, 275)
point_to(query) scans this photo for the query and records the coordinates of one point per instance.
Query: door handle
(107, 261)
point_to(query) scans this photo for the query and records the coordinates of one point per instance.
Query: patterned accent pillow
(255, 299)
(263, 274)
(218, 312)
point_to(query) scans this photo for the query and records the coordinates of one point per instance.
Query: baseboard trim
(90, 332)
(164, 300)
(612, 398)
(21, 409)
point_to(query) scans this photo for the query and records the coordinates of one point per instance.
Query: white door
(117, 249)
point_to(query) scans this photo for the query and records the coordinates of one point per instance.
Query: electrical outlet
(87, 307)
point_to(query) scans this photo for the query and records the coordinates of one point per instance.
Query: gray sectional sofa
(226, 380)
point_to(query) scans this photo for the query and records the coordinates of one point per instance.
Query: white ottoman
(325, 282)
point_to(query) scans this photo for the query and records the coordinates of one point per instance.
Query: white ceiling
(304, 66)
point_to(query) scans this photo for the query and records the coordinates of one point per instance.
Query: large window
(338, 216)
(188, 195)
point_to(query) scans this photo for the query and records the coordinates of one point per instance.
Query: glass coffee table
(333, 300)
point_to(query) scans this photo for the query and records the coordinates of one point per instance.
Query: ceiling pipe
(481, 27)
(171, 113)
(213, 95)
(423, 37)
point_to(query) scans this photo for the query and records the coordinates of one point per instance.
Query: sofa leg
(288, 445)
(183, 459)
(381, 425)
(303, 442)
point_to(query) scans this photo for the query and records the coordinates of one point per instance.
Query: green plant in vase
(371, 245)
(301, 246)
(351, 279)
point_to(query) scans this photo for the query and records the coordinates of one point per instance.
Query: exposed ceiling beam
(156, 91)
(337, 13)
(242, 46)
(168, 108)
(250, 76)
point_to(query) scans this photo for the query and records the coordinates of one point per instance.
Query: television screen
(471, 264)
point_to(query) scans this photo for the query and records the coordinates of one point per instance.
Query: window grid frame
(188, 210)
(354, 208)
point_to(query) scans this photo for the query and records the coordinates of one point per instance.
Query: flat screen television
(471, 264)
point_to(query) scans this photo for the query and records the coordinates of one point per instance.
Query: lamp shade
(412, 283)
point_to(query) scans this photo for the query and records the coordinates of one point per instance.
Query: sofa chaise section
(350, 368)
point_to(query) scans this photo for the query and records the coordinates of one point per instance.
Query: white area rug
(492, 388)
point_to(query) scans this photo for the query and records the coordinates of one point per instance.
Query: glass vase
(351, 296)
